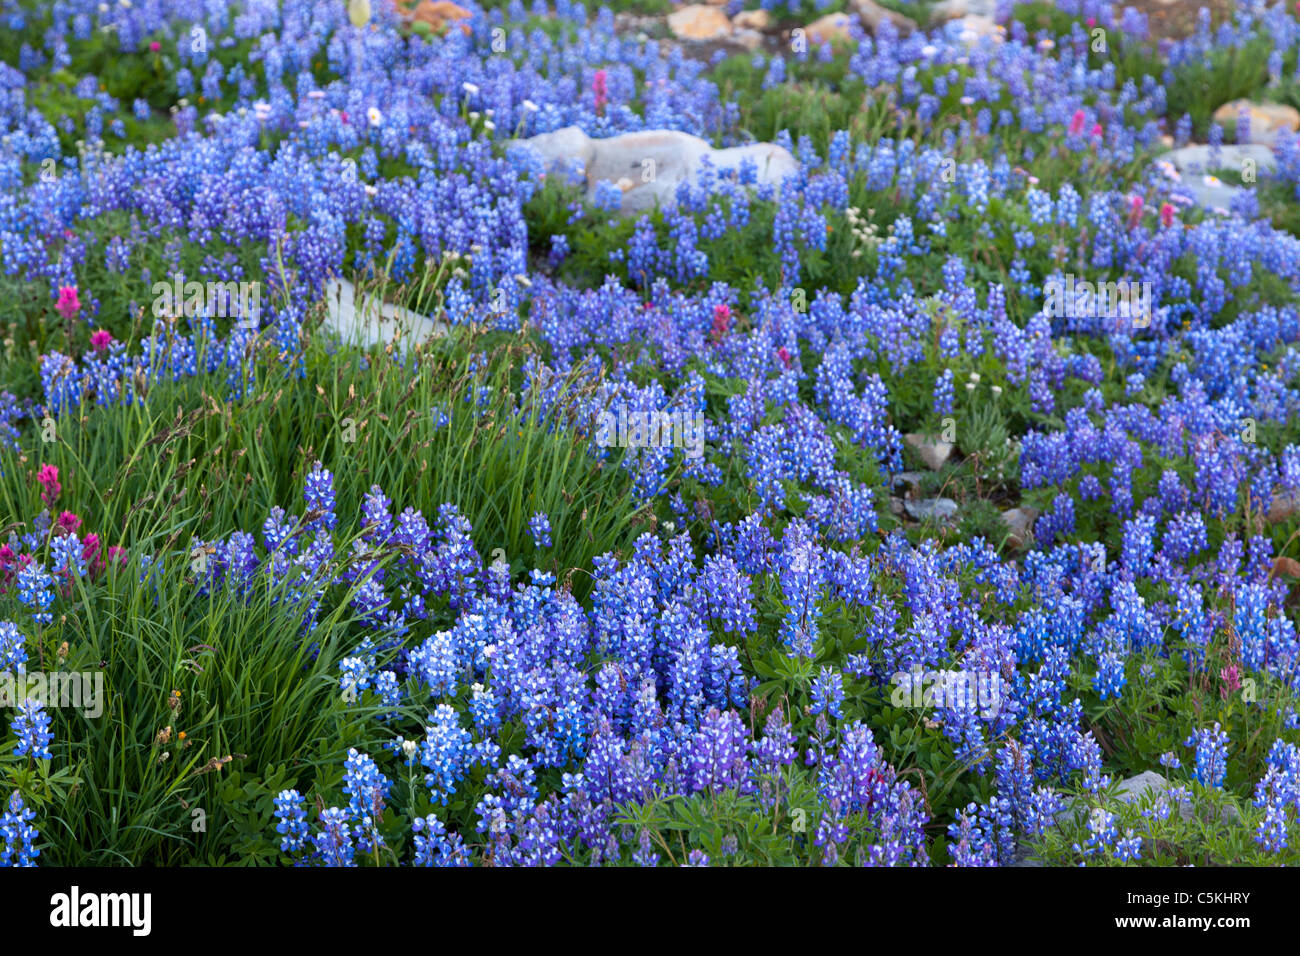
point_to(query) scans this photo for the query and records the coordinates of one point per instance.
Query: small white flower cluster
(865, 232)
(975, 380)
(455, 260)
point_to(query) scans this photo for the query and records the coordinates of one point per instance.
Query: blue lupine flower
(19, 836)
(539, 525)
(291, 813)
(32, 728)
(1211, 755)
(35, 589)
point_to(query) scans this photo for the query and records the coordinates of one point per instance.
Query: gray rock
(648, 166)
(1149, 783)
(904, 482)
(956, 9)
(1022, 858)
(943, 510)
(1191, 166)
(1135, 788)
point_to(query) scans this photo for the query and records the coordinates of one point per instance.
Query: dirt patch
(1176, 19)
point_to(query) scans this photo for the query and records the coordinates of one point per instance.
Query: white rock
(374, 322)
(873, 15)
(648, 166)
(1267, 120)
(1192, 164)
(834, 27)
(699, 22)
(949, 10)
(971, 29)
(956, 9)
(569, 143)
(933, 453)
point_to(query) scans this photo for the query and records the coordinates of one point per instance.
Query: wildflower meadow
(787, 433)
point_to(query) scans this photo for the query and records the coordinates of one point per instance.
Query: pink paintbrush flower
(68, 304)
(721, 320)
(1231, 678)
(48, 479)
(1135, 207)
(90, 553)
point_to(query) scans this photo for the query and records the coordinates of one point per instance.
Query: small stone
(750, 40)
(943, 510)
(832, 28)
(933, 453)
(1282, 507)
(436, 13)
(905, 482)
(873, 15)
(699, 22)
(1022, 858)
(974, 28)
(1286, 567)
(752, 20)
(1020, 525)
(1266, 119)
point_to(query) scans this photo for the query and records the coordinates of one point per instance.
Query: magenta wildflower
(68, 304)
